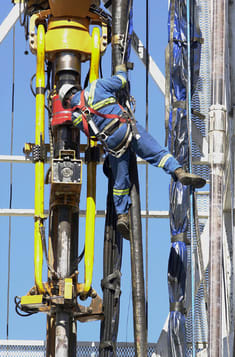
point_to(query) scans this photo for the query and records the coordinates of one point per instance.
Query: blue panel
(178, 145)
(177, 267)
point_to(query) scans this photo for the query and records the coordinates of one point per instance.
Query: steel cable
(11, 179)
(147, 171)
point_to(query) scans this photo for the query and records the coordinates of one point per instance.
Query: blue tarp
(178, 145)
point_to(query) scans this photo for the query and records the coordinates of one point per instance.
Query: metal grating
(14, 348)
(201, 102)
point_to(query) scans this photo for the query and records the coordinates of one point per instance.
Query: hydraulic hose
(39, 162)
(112, 260)
(91, 176)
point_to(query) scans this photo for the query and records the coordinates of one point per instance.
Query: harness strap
(83, 107)
(117, 121)
(84, 119)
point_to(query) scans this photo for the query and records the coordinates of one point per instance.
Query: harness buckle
(86, 111)
(102, 136)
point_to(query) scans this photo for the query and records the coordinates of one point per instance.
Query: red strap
(82, 106)
(108, 116)
(84, 121)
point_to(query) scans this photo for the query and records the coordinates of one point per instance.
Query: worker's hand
(120, 67)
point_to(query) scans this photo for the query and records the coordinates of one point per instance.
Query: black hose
(111, 267)
(18, 308)
(137, 268)
(120, 16)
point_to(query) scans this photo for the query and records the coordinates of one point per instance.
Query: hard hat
(64, 91)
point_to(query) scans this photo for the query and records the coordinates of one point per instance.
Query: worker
(96, 112)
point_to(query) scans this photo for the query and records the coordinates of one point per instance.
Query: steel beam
(154, 70)
(24, 212)
(10, 20)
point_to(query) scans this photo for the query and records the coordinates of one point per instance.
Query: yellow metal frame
(91, 177)
(39, 165)
(31, 299)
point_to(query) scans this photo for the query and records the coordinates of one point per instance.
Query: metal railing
(22, 348)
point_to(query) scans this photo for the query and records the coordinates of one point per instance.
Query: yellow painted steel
(91, 176)
(31, 299)
(95, 55)
(68, 34)
(39, 165)
(68, 288)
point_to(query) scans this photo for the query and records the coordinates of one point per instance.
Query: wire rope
(146, 167)
(11, 179)
(189, 116)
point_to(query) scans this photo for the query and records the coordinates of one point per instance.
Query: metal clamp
(178, 307)
(118, 39)
(180, 237)
(86, 111)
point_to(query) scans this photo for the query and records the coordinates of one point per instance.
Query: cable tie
(179, 104)
(40, 90)
(180, 237)
(107, 344)
(178, 306)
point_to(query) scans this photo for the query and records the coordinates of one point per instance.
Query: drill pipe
(120, 15)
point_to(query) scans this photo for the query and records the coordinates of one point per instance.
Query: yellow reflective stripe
(121, 192)
(123, 79)
(92, 93)
(164, 160)
(103, 103)
(77, 120)
(96, 106)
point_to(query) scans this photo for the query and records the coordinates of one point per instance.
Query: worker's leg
(121, 187)
(121, 194)
(150, 150)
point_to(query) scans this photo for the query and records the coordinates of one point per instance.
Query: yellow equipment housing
(68, 34)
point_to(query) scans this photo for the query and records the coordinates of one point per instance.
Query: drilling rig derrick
(59, 36)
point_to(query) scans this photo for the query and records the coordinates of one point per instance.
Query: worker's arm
(117, 81)
(103, 88)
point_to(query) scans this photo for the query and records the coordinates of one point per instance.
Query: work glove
(120, 67)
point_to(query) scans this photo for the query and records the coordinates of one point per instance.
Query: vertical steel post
(216, 155)
(231, 21)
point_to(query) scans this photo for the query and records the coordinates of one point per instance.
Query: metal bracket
(92, 312)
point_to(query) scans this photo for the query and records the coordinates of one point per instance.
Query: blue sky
(22, 270)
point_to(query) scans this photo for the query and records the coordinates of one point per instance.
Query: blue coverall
(101, 95)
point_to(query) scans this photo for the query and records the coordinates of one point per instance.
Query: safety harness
(117, 121)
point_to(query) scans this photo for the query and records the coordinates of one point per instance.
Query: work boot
(123, 225)
(189, 179)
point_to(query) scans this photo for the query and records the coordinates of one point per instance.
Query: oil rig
(65, 37)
